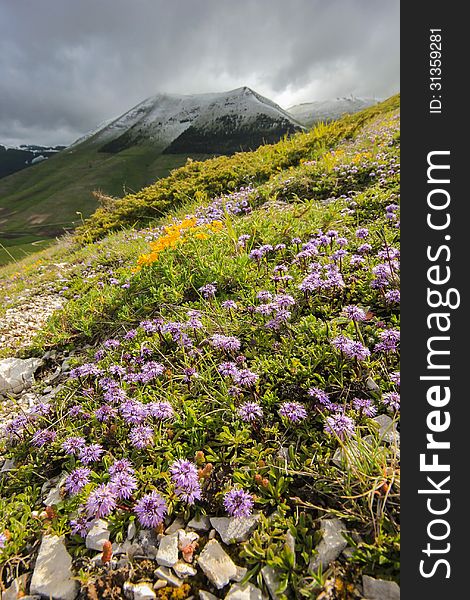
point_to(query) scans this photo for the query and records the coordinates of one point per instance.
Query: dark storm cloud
(66, 65)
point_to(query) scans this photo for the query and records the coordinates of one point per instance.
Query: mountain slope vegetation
(239, 318)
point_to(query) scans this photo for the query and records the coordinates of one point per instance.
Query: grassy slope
(287, 204)
(44, 199)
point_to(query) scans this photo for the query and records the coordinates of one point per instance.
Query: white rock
(246, 592)
(53, 495)
(98, 535)
(217, 565)
(200, 523)
(183, 570)
(131, 530)
(167, 575)
(178, 523)
(18, 585)
(159, 584)
(232, 529)
(16, 374)
(387, 429)
(167, 554)
(331, 544)
(186, 537)
(138, 591)
(52, 576)
(271, 581)
(203, 595)
(380, 589)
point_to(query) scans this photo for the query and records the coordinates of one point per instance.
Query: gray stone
(203, 595)
(245, 592)
(159, 584)
(371, 385)
(232, 529)
(148, 541)
(290, 542)
(131, 530)
(331, 544)
(345, 457)
(138, 591)
(240, 574)
(167, 554)
(122, 548)
(271, 581)
(53, 496)
(380, 589)
(167, 575)
(186, 537)
(387, 429)
(200, 523)
(98, 535)
(16, 374)
(217, 565)
(18, 585)
(52, 576)
(183, 570)
(178, 523)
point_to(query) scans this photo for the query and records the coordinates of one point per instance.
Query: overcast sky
(67, 65)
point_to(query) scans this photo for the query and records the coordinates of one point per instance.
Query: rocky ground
(20, 324)
(152, 563)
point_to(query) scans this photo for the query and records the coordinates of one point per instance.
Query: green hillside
(240, 315)
(43, 201)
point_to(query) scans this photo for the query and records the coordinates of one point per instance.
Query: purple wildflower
(160, 410)
(250, 412)
(183, 472)
(73, 445)
(229, 305)
(122, 465)
(393, 296)
(362, 233)
(340, 425)
(365, 406)
(320, 395)
(102, 501)
(105, 412)
(224, 342)
(208, 291)
(355, 313)
(294, 411)
(151, 510)
(238, 503)
(81, 526)
(141, 436)
(90, 454)
(77, 480)
(245, 377)
(392, 400)
(43, 437)
(124, 485)
(190, 492)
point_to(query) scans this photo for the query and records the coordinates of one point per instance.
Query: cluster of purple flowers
(322, 277)
(228, 343)
(293, 411)
(243, 377)
(250, 412)
(185, 478)
(236, 203)
(238, 503)
(389, 340)
(350, 348)
(340, 425)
